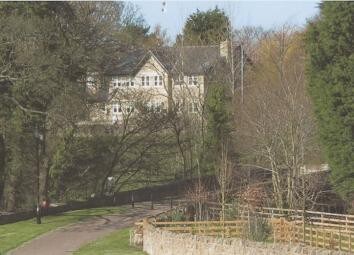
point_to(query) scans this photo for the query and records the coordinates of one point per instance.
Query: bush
(178, 216)
(231, 213)
(259, 229)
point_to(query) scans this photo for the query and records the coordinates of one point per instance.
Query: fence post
(316, 238)
(340, 240)
(274, 234)
(350, 241)
(324, 233)
(324, 238)
(132, 198)
(281, 230)
(331, 242)
(303, 227)
(311, 234)
(248, 221)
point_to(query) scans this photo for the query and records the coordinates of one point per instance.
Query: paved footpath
(66, 240)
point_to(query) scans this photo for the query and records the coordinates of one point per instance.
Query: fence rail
(333, 239)
(317, 229)
(282, 231)
(236, 228)
(344, 222)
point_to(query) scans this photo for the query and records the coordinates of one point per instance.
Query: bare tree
(276, 119)
(224, 177)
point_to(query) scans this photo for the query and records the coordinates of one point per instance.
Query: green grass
(116, 243)
(13, 235)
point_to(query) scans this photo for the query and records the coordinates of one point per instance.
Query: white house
(164, 77)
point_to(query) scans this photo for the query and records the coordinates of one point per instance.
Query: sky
(242, 13)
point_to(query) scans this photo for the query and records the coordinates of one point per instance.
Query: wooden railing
(329, 221)
(291, 232)
(344, 222)
(317, 229)
(236, 228)
(283, 231)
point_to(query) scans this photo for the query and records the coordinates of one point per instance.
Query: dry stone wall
(160, 242)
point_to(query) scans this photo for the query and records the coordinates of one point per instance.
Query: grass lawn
(14, 234)
(115, 243)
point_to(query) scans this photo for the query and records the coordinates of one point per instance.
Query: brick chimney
(225, 49)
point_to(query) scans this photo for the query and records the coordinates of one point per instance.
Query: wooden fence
(236, 228)
(292, 232)
(317, 229)
(328, 221)
(282, 231)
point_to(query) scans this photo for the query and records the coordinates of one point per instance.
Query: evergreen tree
(330, 68)
(205, 28)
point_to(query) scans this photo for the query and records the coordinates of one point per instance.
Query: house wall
(161, 93)
(189, 93)
(154, 93)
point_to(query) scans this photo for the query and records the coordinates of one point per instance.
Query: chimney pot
(225, 49)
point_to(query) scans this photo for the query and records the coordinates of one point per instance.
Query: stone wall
(160, 242)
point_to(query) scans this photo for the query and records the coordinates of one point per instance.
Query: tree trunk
(44, 168)
(11, 196)
(2, 168)
(44, 178)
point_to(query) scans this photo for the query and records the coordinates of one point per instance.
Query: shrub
(259, 229)
(178, 216)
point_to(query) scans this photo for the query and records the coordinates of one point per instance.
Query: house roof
(127, 63)
(191, 60)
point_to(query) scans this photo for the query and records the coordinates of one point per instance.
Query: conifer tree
(330, 69)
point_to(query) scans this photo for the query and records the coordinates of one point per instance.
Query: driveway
(68, 239)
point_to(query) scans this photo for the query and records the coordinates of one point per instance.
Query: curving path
(68, 239)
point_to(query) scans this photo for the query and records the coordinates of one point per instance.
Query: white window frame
(115, 108)
(190, 80)
(193, 80)
(156, 82)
